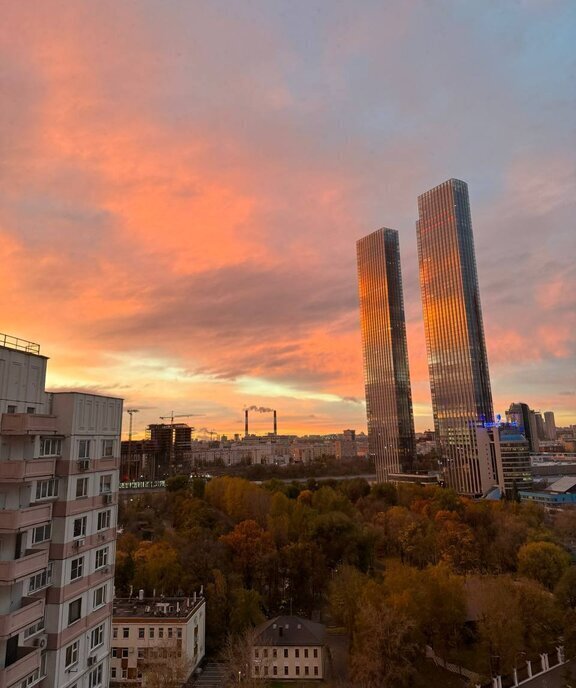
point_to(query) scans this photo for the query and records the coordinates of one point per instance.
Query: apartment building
(59, 458)
(289, 647)
(156, 635)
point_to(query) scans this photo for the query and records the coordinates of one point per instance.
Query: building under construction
(164, 452)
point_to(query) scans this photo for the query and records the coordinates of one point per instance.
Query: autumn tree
(545, 562)
(383, 645)
(345, 594)
(249, 544)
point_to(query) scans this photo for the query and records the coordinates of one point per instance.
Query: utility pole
(131, 411)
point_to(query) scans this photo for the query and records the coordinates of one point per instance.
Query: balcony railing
(27, 424)
(33, 561)
(19, 519)
(27, 662)
(30, 611)
(19, 470)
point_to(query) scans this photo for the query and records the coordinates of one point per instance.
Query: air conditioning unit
(83, 464)
(41, 641)
(101, 537)
(107, 498)
(78, 543)
(90, 661)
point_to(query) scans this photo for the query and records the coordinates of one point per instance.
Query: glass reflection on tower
(457, 360)
(386, 375)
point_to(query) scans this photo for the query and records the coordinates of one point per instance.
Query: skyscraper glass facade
(456, 349)
(386, 374)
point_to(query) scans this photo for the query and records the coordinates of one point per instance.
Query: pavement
(563, 676)
(212, 676)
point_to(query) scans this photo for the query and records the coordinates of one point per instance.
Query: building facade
(457, 361)
(550, 425)
(164, 636)
(389, 413)
(504, 457)
(58, 513)
(289, 648)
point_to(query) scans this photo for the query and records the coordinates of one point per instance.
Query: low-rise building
(289, 647)
(156, 634)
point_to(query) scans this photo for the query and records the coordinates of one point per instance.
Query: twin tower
(457, 361)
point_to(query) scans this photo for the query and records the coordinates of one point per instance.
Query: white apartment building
(59, 458)
(160, 634)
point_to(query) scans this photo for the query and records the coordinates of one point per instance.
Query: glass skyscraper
(457, 361)
(391, 437)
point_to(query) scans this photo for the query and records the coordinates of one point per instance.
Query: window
(46, 489)
(151, 632)
(315, 653)
(125, 632)
(101, 557)
(40, 580)
(99, 596)
(141, 653)
(256, 653)
(274, 653)
(81, 487)
(275, 670)
(95, 677)
(124, 652)
(74, 610)
(297, 671)
(11, 409)
(285, 652)
(77, 568)
(285, 671)
(104, 519)
(30, 410)
(140, 632)
(79, 527)
(115, 632)
(178, 632)
(113, 672)
(169, 631)
(306, 653)
(97, 636)
(297, 653)
(307, 670)
(160, 632)
(265, 671)
(50, 446)
(35, 628)
(315, 671)
(41, 533)
(84, 449)
(107, 447)
(105, 484)
(71, 654)
(257, 669)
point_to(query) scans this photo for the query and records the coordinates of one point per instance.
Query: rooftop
(125, 608)
(289, 630)
(565, 484)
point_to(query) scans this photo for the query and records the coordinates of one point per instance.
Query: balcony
(35, 469)
(20, 519)
(27, 662)
(33, 561)
(27, 424)
(30, 611)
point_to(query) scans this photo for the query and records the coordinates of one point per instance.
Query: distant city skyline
(178, 221)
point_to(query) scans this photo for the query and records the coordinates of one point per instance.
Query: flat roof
(159, 609)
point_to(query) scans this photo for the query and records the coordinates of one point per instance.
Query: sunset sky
(183, 183)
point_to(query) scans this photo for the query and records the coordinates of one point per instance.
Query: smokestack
(246, 423)
(275, 424)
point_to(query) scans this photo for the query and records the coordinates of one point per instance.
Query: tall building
(58, 493)
(457, 360)
(386, 374)
(550, 425)
(505, 456)
(520, 415)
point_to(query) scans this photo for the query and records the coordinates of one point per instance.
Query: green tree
(545, 562)
(177, 483)
(246, 610)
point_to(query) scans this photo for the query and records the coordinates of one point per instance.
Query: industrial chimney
(275, 424)
(245, 422)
